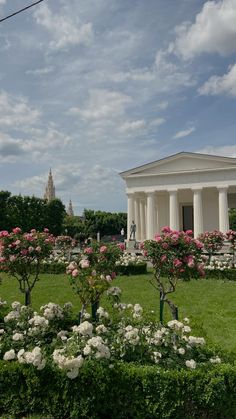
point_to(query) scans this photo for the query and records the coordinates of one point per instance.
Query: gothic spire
(70, 209)
(50, 188)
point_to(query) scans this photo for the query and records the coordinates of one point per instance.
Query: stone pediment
(182, 162)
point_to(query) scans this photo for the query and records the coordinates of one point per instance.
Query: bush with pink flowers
(231, 237)
(92, 274)
(22, 255)
(212, 241)
(174, 255)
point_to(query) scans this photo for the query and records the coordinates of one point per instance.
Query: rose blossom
(103, 249)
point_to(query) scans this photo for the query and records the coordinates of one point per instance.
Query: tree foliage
(30, 213)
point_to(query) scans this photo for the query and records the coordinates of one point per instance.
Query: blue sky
(91, 88)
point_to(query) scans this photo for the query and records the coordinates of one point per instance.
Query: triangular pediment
(181, 162)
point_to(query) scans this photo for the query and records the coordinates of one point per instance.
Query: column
(197, 212)
(174, 210)
(130, 212)
(137, 217)
(142, 219)
(223, 210)
(150, 215)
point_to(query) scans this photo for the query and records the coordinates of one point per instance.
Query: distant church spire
(49, 194)
(70, 209)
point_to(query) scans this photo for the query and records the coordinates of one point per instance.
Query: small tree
(21, 256)
(174, 255)
(93, 273)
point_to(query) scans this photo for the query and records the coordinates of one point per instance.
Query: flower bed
(131, 264)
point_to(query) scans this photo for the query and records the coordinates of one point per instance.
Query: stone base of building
(130, 244)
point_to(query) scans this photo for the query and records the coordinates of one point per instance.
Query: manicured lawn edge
(124, 391)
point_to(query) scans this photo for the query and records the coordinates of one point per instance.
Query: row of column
(143, 212)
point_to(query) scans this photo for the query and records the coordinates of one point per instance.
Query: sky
(91, 88)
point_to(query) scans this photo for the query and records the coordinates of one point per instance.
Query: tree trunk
(94, 307)
(27, 297)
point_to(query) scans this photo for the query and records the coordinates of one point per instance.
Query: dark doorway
(187, 211)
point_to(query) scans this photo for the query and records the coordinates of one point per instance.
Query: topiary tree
(21, 256)
(174, 255)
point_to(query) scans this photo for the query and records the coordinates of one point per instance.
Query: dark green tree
(232, 219)
(55, 214)
(4, 220)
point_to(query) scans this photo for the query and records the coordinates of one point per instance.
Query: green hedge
(229, 274)
(138, 269)
(126, 391)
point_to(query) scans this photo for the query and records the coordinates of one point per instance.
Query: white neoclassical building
(184, 191)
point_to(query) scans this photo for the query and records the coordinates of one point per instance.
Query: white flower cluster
(114, 291)
(52, 311)
(125, 337)
(129, 259)
(221, 262)
(97, 347)
(33, 357)
(69, 363)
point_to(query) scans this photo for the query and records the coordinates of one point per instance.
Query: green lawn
(209, 304)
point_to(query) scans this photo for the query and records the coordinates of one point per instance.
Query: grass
(209, 304)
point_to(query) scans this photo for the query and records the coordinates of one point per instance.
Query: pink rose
(38, 249)
(30, 249)
(163, 258)
(113, 275)
(84, 263)
(46, 230)
(189, 232)
(88, 250)
(165, 245)
(121, 246)
(16, 230)
(75, 273)
(12, 258)
(166, 229)
(24, 252)
(177, 263)
(103, 249)
(108, 278)
(4, 233)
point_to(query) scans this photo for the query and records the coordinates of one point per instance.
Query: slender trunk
(94, 307)
(27, 297)
(173, 309)
(162, 301)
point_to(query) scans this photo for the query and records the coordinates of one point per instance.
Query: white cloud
(15, 111)
(226, 150)
(183, 133)
(64, 29)
(102, 104)
(219, 85)
(2, 2)
(40, 71)
(214, 31)
(130, 126)
(157, 122)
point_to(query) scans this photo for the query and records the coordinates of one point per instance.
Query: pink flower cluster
(175, 253)
(212, 241)
(18, 249)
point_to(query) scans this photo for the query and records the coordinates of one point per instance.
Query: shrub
(139, 269)
(125, 391)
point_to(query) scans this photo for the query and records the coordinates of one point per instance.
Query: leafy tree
(4, 198)
(232, 218)
(106, 223)
(55, 213)
(74, 227)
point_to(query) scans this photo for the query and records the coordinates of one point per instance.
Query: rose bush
(212, 241)
(22, 255)
(92, 274)
(47, 337)
(174, 255)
